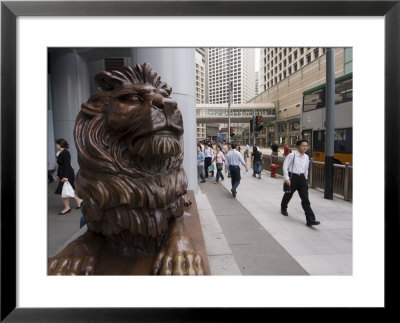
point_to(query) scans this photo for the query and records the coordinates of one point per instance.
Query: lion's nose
(160, 102)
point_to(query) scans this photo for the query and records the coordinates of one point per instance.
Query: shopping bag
(210, 168)
(67, 190)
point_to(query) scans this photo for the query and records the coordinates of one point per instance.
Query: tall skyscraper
(236, 64)
(276, 64)
(201, 86)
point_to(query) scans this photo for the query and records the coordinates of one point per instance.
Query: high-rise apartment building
(276, 64)
(201, 92)
(236, 64)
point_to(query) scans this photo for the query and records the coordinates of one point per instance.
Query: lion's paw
(83, 265)
(79, 257)
(178, 259)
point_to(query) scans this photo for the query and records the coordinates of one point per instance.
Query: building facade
(201, 89)
(235, 65)
(276, 64)
(286, 90)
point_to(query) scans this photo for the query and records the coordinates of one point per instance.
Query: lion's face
(148, 119)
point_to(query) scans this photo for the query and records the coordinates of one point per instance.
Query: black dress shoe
(284, 212)
(60, 213)
(310, 223)
(233, 192)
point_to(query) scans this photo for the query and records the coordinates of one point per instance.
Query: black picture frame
(10, 10)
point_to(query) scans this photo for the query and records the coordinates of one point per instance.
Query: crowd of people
(295, 169)
(227, 163)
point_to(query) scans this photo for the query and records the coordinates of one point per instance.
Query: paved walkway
(257, 234)
(248, 235)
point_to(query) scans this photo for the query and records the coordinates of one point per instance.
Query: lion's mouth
(164, 143)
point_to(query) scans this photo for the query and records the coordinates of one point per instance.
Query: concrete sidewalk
(248, 235)
(325, 249)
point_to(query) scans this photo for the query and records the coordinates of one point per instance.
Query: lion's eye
(131, 98)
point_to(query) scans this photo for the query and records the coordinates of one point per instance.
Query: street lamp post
(330, 122)
(229, 94)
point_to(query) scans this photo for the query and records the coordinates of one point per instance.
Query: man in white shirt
(208, 156)
(295, 174)
(233, 161)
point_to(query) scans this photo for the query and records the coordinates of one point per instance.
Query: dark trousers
(207, 162)
(219, 175)
(235, 176)
(299, 183)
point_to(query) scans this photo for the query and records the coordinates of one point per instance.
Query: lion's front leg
(79, 257)
(178, 255)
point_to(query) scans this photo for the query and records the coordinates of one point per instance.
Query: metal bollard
(346, 182)
(310, 177)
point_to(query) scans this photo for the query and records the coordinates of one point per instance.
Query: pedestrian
(202, 146)
(229, 148)
(297, 162)
(219, 159)
(208, 156)
(200, 164)
(275, 148)
(247, 150)
(286, 150)
(256, 160)
(65, 173)
(233, 161)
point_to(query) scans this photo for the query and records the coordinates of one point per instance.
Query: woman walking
(219, 158)
(65, 173)
(257, 162)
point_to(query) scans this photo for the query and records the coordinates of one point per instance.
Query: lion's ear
(107, 81)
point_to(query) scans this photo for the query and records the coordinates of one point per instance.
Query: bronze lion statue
(129, 139)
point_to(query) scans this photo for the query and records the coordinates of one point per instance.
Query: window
(344, 91)
(343, 140)
(348, 60)
(302, 62)
(308, 58)
(314, 100)
(295, 54)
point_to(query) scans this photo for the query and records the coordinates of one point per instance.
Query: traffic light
(259, 123)
(232, 131)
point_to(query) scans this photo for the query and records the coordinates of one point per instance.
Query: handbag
(67, 190)
(210, 168)
(219, 166)
(286, 187)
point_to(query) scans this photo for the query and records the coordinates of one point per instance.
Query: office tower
(276, 63)
(201, 72)
(236, 65)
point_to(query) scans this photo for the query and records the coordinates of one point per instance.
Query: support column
(70, 86)
(176, 66)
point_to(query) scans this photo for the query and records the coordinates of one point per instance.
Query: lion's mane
(128, 197)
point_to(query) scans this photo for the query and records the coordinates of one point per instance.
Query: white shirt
(234, 158)
(208, 152)
(299, 166)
